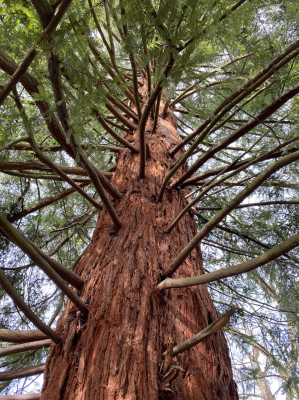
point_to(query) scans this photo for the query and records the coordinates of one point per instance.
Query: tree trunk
(116, 352)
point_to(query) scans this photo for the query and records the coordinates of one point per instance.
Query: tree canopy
(70, 72)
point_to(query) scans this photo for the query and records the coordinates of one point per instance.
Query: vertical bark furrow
(117, 353)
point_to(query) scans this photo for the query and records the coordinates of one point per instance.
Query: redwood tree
(132, 133)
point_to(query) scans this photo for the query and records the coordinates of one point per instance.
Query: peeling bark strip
(33, 396)
(40, 344)
(8, 335)
(22, 372)
(117, 353)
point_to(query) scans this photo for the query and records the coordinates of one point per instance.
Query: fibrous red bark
(117, 352)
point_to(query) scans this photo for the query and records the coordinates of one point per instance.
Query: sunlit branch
(25, 246)
(32, 396)
(22, 372)
(15, 336)
(264, 203)
(40, 344)
(234, 270)
(262, 177)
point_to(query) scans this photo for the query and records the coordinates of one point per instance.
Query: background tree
(131, 133)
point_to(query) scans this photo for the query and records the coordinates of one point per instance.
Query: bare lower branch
(202, 335)
(33, 396)
(264, 203)
(22, 372)
(14, 336)
(40, 344)
(19, 302)
(234, 270)
(52, 177)
(38, 166)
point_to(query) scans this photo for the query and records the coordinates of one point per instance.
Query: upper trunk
(116, 353)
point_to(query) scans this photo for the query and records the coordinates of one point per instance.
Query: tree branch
(286, 160)
(15, 336)
(202, 335)
(278, 103)
(19, 302)
(234, 270)
(22, 372)
(32, 396)
(42, 203)
(29, 57)
(40, 344)
(35, 256)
